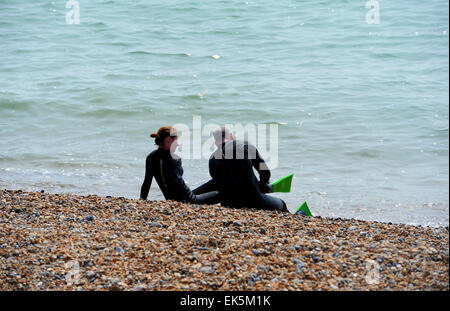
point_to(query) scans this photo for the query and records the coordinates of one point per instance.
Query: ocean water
(362, 109)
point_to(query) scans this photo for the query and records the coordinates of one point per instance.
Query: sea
(356, 92)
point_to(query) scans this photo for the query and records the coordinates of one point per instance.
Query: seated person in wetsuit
(166, 167)
(231, 168)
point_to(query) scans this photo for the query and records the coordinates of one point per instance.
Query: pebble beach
(70, 242)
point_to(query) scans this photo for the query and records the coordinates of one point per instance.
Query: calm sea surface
(362, 109)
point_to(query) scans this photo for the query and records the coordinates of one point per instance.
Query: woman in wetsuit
(166, 167)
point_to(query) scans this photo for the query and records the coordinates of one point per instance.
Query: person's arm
(184, 192)
(147, 180)
(263, 170)
(212, 169)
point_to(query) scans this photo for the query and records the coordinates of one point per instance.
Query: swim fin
(305, 209)
(283, 184)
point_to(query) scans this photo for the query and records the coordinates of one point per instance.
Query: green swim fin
(304, 207)
(283, 184)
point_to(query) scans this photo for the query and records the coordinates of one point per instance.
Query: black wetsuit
(231, 168)
(168, 173)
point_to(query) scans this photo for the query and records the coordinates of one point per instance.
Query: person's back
(167, 169)
(231, 168)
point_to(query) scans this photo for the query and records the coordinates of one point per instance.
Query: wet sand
(71, 242)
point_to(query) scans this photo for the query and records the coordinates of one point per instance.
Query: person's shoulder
(243, 144)
(152, 154)
(247, 144)
(217, 154)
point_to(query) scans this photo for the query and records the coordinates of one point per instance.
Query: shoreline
(130, 244)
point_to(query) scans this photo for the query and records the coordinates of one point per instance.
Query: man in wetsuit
(231, 168)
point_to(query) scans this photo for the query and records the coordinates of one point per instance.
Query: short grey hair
(221, 133)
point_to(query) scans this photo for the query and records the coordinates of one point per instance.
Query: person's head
(222, 134)
(166, 138)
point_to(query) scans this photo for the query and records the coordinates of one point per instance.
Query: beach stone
(91, 275)
(154, 224)
(299, 265)
(89, 218)
(206, 270)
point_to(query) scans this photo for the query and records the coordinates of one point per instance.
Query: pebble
(151, 245)
(206, 270)
(91, 275)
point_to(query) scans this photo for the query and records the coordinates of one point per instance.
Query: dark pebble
(91, 276)
(89, 218)
(301, 212)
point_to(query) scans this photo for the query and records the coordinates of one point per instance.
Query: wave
(6, 104)
(158, 54)
(116, 113)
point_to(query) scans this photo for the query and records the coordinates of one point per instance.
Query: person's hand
(265, 188)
